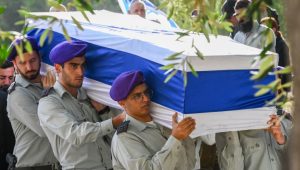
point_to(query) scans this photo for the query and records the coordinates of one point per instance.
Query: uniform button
(257, 145)
(229, 138)
(232, 155)
(272, 159)
(269, 145)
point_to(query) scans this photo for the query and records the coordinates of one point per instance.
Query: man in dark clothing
(6, 75)
(7, 138)
(282, 48)
(228, 11)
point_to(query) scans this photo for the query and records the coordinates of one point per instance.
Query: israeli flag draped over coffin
(221, 98)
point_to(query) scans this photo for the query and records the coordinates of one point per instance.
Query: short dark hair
(21, 41)
(241, 4)
(228, 8)
(6, 64)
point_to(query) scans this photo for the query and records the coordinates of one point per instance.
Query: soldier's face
(6, 76)
(138, 9)
(28, 65)
(72, 72)
(137, 103)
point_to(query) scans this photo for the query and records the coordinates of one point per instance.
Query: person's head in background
(228, 10)
(6, 75)
(59, 8)
(245, 22)
(29, 63)
(137, 7)
(271, 23)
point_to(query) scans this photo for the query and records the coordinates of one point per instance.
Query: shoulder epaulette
(123, 127)
(46, 91)
(289, 117)
(12, 87)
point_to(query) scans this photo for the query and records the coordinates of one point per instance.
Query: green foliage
(2, 9)
(11, 16)
(207, 19)
(278, 5)
(3, 50)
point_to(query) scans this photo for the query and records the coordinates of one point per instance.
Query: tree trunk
(293, 25)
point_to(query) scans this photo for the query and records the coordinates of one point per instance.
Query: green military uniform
(74, 131)
(146, 146)
(251, 149)
(32, 147)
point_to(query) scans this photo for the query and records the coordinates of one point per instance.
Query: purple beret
(66, 51)
(21, 42)
(125, 83)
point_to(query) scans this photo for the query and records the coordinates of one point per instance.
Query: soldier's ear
(15, 64)
(122, 103)
(58, 68)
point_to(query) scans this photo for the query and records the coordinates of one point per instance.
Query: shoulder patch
(289, 117)
(123, 127)
(12, 87)
(46, 92)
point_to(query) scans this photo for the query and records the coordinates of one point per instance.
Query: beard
(30, 75)
(245, 26)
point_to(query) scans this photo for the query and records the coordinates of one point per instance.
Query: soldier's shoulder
(47, 92)
(17, 91)
(123, 127)
(12, 87)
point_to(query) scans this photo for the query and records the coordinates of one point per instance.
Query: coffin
(221, 98)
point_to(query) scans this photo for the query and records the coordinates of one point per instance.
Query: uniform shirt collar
(24, 82)
(138, 124)
(81, 95)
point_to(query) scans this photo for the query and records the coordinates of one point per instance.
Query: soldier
(259, 149)
(67, 115)
(6, 75)
(7, 140)
(140, 143)
(32, 147)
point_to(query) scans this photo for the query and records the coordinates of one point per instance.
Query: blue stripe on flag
(212, 91)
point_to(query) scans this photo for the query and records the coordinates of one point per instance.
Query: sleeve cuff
(173, 144)
(107, 126)
(281, 147)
